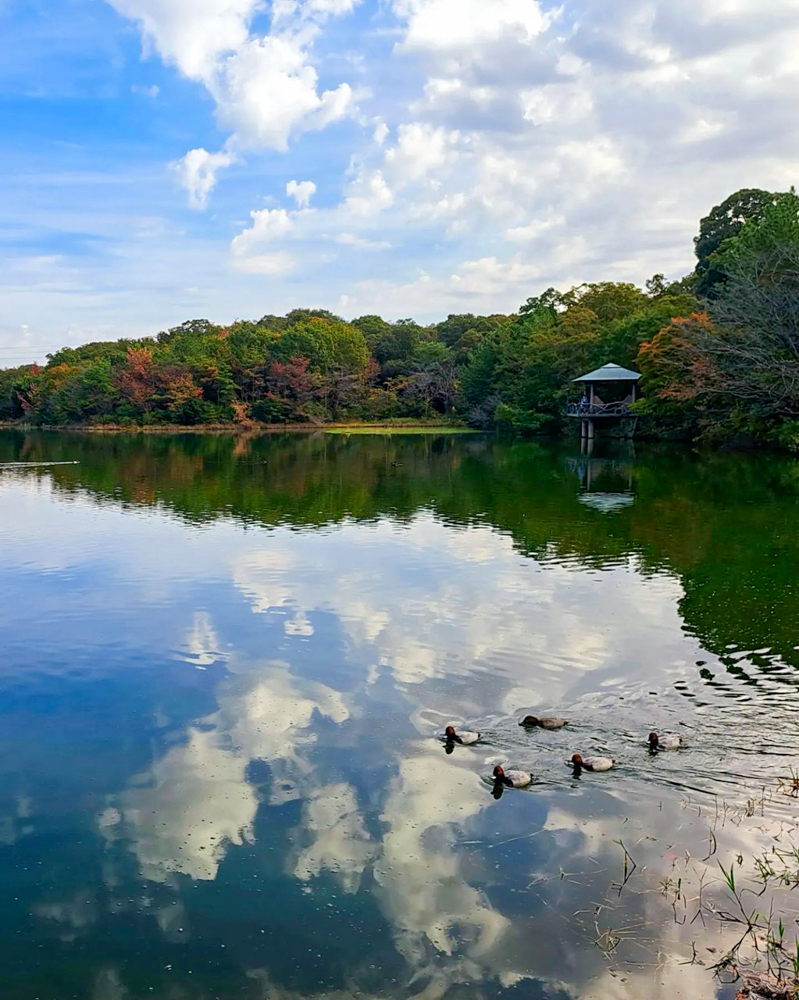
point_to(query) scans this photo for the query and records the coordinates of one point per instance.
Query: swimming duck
(669, 742)
(465, 739)
(513, 779)
(591, 763)
(530, 722)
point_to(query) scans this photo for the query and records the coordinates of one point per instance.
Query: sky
(164, 160)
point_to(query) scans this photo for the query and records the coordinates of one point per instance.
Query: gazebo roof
(609, 373)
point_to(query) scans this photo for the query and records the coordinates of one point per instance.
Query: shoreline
(239, 429)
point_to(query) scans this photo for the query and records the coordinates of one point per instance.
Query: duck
(591, 763)
(465, 739)
(531, 722)
(669, 742)
(512, 778)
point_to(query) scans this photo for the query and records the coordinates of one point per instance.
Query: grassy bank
(387, 427)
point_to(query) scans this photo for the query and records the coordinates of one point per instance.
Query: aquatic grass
(743, 889)
(629, 866)
(767, 933)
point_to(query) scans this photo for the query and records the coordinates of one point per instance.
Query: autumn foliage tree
(137, 380)
(736, 367)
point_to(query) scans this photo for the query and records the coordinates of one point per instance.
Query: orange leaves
(178, 386)
(677, 364)
(137, 381)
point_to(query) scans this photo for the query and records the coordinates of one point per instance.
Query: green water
(227, 663)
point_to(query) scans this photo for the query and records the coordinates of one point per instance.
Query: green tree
(328, 344)
(738, 368)
(10, 400)
(391, 344)
(724, 222)
(621, 342)
(608, 300)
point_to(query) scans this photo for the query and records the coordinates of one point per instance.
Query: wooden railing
(620, 409)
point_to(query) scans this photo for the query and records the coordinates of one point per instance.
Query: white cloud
(267, 89)
(351, 240)
(537, 227)
(265, 86)
(301, 192)
(267, 225)
(557, 104)
(421, 149)
(444, 25)
(368, 194)
(197, 172)
(273, 264)
(335, 7)
(191, 34)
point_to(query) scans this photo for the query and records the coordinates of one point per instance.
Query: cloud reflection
(195, 801)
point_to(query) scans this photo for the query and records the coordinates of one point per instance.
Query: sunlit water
(227, 663)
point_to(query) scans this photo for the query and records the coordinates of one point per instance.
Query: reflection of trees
(723, 523)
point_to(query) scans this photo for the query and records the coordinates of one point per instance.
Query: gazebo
(618, 386)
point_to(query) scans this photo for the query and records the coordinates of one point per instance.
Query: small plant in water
(766, 933)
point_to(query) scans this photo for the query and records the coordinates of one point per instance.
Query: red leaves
(677, 363)
(291, 379)
(143, 384)
(138, 380)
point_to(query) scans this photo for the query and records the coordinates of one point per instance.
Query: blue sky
(170, 159)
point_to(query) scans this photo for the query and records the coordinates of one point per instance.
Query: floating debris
(32, 465)
(765, 987)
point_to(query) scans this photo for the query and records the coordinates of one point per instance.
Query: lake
(227, 663)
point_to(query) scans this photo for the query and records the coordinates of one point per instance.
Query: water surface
(227, 662)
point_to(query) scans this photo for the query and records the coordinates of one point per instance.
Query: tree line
(718, 351)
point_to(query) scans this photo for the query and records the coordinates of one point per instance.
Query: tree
(11, 379)
(249, 346)
(608, 300)
(724, 222)
(328, 344)
(656, 286)
(179, 394)
(304, 315)
(292, 382)
(739, 365)
(190, 328)
(391, 344)
(480, 391)
(137, 380)
(757, 307)
(550, 301)
(623, 339)
(431, 383)
(676, 365)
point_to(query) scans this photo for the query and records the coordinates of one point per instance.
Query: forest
(718, 351)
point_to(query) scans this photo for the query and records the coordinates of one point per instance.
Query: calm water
(226, 663)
